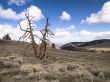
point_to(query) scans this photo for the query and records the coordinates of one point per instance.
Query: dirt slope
(18, 64)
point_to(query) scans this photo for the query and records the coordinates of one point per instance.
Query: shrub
(6, 37)
(49, 77)
(53, 45)
(1, 78)
(66, 79)
(71, 67)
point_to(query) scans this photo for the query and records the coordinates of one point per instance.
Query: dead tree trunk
(32, 35)
(43, 46)
(29, 33)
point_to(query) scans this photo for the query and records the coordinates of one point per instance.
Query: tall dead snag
(44, 40)
(28, 33)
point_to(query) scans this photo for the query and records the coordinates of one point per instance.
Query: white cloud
(35, 12)
(24, 24)
(62, 35)
(11, 14)
(69, 28)
(15, 32)
(65, 16)
(65, 36)
(102, 16)
(8, 13)
(17, 2)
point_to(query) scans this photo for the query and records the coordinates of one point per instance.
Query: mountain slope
(103, 43)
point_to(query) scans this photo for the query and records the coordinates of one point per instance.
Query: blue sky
(79, 18)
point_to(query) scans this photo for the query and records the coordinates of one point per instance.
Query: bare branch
(45, 39)
(29, 32)
(23, 29)
(22, 36)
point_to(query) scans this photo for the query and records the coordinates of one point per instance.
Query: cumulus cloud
(24, 24)
(17, 2)
(102, 16)
(62, 35)
(8, 13)
(65, 36)
(65, 16)
(69, 28)
(35, 12)
(15, 32)
(11, 14)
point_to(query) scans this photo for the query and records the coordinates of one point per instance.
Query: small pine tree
(6, 37)
(53, 45)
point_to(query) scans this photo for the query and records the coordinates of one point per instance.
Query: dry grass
(59, 66)
(65, 72)
(31, 68)
(100, 49)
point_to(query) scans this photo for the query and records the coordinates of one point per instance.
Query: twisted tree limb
(44, 40)
(28, 33)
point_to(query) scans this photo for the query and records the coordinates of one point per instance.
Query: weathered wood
(29, 33)
(44, 40)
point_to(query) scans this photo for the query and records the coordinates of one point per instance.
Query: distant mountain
(77, 43)
(69, 46)
(102, 43)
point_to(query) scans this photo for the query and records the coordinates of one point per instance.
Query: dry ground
(100, 49)
(18, 64)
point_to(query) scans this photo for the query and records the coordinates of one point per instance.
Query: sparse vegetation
(1, 77)
(64, 70)
(49, 77)
(71, 67)
(66, 79)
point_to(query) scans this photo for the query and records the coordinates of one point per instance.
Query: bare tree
(44, 40)
(28, 33)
